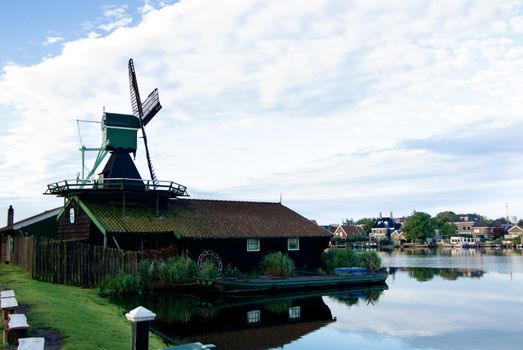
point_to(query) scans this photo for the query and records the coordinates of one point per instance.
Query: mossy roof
(206, 219)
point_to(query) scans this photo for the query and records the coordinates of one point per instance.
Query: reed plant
(277, 264)
(209, 269)
(341, 257)
(123, 283)
(152, 275)
(181, 269)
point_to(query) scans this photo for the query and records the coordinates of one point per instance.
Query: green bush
(339, 257)
(370, 260)
(181, 269)
(123, 283)
(386, 241)
(277, 264)
(208, 269)
(357, 238)
(231, 271)
(152, 275)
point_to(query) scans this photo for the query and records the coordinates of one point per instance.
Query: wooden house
(233, 232)
(345, 231)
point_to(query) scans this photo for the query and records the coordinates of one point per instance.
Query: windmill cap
(140, 314)
(120, 120)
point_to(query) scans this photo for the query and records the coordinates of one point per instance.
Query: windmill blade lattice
(152, 104)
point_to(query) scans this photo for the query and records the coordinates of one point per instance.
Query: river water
(451, 299)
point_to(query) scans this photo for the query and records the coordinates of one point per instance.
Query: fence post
(140, 318)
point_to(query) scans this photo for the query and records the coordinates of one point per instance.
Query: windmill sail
(152, 104)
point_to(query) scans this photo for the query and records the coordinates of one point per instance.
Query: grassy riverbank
(82, 318)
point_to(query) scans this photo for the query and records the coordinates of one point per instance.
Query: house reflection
(246, 322)
(240, 323)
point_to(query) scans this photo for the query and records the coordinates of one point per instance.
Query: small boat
(286, 284)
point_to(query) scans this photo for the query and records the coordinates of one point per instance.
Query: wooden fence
(22, 253)
(71, 263)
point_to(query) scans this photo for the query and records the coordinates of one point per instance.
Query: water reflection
(260, 322)
(488, 260)
(424, 274)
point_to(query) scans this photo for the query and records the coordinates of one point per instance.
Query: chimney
(391, 215)
(380, 215)
(10, 216)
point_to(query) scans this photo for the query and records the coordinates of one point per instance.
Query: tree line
(421, 225)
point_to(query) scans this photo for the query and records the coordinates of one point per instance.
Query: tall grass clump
(121, 284)
(152, 275)
(181, 269)
(231, 271)
(209, 269)
(339, 257)
(370, 260)
(161, 274)
(277, 264)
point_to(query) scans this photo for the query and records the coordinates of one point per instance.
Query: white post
(140, 318)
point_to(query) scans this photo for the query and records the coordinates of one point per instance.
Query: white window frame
(253, 317)
(289, 243)
(294, 313)
(252, 240)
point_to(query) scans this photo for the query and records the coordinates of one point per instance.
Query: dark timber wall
(79, 230)
(234, 250)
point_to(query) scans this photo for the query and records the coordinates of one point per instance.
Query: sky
(343, 109)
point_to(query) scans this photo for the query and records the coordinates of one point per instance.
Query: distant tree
(419, 226)
(486, 220)
(448, 229)
(520, 222)
(348, 222)
(499, 222)
(367, 224)
(444, 216)
(498, 232)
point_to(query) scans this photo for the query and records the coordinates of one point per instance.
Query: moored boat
(284, 284)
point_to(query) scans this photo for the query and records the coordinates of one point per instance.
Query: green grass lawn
(85, 320)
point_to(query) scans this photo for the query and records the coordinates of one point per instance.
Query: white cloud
(116, 17)
(265, 96)
(53, 40)
(146, 8)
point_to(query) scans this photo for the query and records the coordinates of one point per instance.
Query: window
(253, 244)
(294, 313)
(293, 243)
(253, 317)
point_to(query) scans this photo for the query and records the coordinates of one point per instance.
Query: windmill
(144, 112)
(119, 139)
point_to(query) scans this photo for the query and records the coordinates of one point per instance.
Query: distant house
(465, 223)
(345, 231)
(472, 224)
(383, 227)
(462, 241)
(331, 228)
(398, 236)
(514, 232)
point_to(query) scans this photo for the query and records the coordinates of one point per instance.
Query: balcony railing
(114, 184)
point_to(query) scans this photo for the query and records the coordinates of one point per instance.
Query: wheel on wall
(209, 255)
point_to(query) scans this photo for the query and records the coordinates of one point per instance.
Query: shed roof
(32, 220)
(206, 219)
